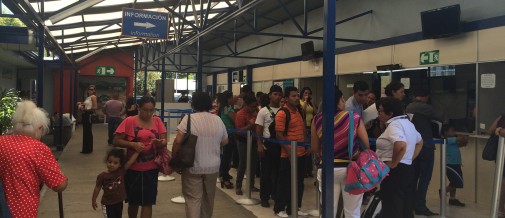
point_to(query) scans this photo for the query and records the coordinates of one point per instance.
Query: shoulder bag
(367, 171)
(491, 148)
(185, 156)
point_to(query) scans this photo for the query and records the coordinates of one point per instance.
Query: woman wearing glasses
(88, 107)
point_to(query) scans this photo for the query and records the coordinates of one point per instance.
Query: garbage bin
(67, 132)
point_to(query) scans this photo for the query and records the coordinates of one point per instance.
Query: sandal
(227, 184)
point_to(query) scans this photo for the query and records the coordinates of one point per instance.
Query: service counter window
(346, 82)
(453, 92)
(491, 92)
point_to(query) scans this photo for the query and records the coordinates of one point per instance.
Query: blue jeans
(4, 208)
(424, 169)
(113, 123)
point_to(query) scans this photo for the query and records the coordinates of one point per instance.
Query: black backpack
(271, 128)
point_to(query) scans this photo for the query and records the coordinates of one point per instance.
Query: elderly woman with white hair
(25, 162)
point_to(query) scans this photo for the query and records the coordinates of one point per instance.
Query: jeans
(423, 165)
(269, 170)
(224, 168)
(113, 124)
(283, 196)
(242, 151)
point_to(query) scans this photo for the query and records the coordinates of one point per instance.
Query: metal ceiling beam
(342, 21)
(23, 7)
(205, 31)
(291, 17)
(86, 34)
(232, 56)
(91, 23)
(175, 13)
(292, 36)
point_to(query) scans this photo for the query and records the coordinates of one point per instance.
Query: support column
(230, 79)
(40, 67)
(59, 146)
(249, 76)
(328, 105)
(199, 73)
(135, 69)
(214, 84)
(145, 70)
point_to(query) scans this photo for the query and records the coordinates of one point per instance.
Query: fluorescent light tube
(73, 10)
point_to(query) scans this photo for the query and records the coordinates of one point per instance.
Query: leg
(392, 204)
(301, 171)
(87, 136)
(147, 211)
(283, 195)
(426, 162)
(225, 161)
(276, 157)
(242, 151)
(352, 203)
(209, 191)
(133, 210)
(192, 190)
(114, 210)
(254, 160)
(266, 175)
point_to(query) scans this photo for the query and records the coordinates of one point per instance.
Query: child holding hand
(112, 183)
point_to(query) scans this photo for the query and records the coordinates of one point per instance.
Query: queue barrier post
(500, 156)
(442, 178)
(294, 180)
(248, 200)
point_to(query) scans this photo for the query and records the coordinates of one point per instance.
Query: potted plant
(8, 101)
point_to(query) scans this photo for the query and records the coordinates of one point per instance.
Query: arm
(493, 126)
(61, 187)
(417, 150)
(104, 109)
(315, 143)
(95, 104)
(130, 161)
(95, 195)
(232, 115)
(259, 131)
(120, 141)
(280, 136)
(280, 123)
(177, 142)
(398, 152)
(362, 135)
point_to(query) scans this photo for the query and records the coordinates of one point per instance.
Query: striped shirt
(295, 132)
(340, 134)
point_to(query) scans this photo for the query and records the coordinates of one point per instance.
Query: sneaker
(301, 213)
(456, 202)
(282, 214)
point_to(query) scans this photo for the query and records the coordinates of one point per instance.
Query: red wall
(124, 68)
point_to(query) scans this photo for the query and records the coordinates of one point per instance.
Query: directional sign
(105, 71)
(429, 57)
(145, 24)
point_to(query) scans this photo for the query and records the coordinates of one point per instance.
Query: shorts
(141, 187)
(455, 175)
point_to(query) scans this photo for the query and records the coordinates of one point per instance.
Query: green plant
(9, 99)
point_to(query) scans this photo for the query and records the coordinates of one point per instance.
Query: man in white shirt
(268, 152)
(359, 97)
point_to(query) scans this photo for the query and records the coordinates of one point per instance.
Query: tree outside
(8, 21)
(152, 76)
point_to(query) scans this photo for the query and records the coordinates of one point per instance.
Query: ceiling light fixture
(72, 10)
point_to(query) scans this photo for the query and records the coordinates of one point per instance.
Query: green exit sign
(105, 71)
(429, 57)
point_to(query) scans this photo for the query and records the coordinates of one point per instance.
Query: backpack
(367, 171)
(271, 128)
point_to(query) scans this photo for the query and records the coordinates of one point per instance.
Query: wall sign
(429, 57)
(488, 81)
(105, 71)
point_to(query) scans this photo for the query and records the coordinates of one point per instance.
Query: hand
(158, 142)
(462, 140)
(390, 165)
(94, 205)
(252, 121)
(260, 150)
(497, 131)
(138, 146)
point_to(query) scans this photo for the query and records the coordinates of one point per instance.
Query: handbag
(489, 152)
(162, 159)
(185, 156)
(367, 171)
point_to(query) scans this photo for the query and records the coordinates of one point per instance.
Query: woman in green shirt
(227, 114)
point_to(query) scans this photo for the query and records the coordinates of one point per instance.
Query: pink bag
(162, 159)
(367, 171)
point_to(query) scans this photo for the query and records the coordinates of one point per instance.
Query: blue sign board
(145, 24)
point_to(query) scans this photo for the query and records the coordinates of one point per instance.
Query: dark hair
(264, 100)
(275, 88)
(360, 85)
(393, 87)
(249, 99)
(146, 99)
(391, 105)
(222, 99)
(305, 89)
(115, 152)
(259, 94)
(201, 101)
(246, 89)
(289, 90)
(130, 101)
(338, 96)
(446, 128)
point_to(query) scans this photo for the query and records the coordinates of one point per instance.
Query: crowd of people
(404, 134)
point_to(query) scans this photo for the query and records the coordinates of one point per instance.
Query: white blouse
(398, 129)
